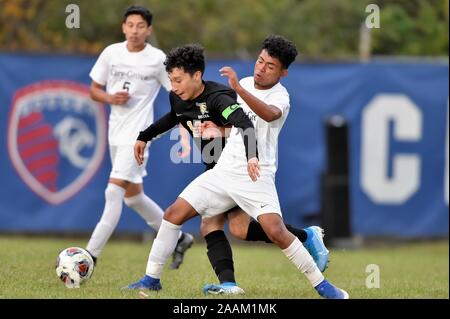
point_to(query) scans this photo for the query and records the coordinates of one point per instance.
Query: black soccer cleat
(184, 243)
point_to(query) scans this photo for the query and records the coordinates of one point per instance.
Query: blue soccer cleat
(226, 288)
(146, 283)
(328, 291)
(316, 248)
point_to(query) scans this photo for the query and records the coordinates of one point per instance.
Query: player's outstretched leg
(245, 228)
(114, 195)
(150, 211)
(220, 256)
(164, 244)
(299, 256)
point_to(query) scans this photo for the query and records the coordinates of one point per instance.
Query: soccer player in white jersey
(238, 180)
(266, 102)
(133, 73)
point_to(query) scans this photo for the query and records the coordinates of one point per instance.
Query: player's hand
(253, 168)
(210, 130)
(139, 148)
(233, 80)
(197, 129)
(119, 98)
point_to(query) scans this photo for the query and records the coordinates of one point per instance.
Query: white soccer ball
(74, 266)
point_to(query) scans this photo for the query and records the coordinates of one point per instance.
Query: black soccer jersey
(217, 103)
(208, 106)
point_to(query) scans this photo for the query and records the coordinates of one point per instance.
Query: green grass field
(419, 270)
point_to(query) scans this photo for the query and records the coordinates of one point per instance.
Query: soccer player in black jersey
(213, 102)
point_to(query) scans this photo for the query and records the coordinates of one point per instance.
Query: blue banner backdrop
(56, 164)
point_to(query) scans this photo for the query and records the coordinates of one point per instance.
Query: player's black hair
(143, 12)
(189, 57)
(280, 48)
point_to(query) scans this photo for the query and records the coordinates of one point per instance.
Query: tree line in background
(321, 29)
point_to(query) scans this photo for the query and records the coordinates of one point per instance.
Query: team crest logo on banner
(56, 138)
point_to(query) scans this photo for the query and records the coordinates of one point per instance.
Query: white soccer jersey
(233, 157)
(141, 74)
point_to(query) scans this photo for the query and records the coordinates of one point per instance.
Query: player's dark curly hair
(143, 12)
(280, 48)
(189, 57)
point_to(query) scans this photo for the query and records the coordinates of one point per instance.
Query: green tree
(414, 27)
(322, 29)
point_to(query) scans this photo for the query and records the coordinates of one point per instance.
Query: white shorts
(124, 165)
(215, 192)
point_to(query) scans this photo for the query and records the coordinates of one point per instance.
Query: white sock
(300, 257)
(163, 246)
(148, 209)
(111, 214)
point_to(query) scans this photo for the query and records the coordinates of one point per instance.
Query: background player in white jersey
(133, 72)
(236, 180)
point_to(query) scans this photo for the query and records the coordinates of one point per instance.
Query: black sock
(220, 256)
(256, 233)
(299, 233)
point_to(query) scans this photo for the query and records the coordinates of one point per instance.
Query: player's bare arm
(267, 112)
(241, 121)
(159, 127)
